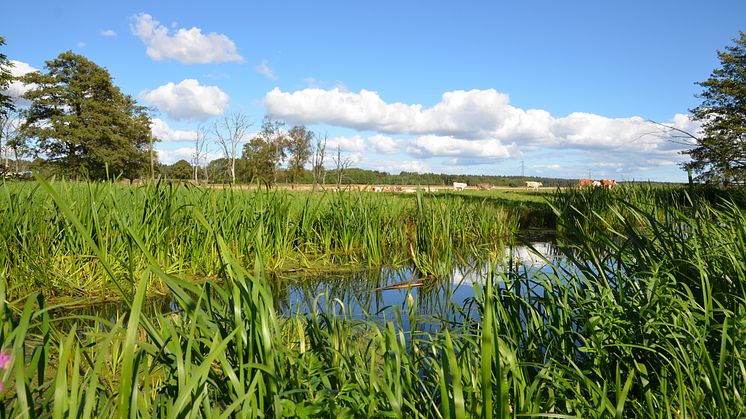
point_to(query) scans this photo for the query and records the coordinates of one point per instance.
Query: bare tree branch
(229, 132)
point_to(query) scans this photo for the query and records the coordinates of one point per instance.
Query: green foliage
(84, 123)
(264, 153)
(180, 170)
(257, 160)
(299, 148)
(6, 102)
(626, 327)
(302, 230)
(720, 153)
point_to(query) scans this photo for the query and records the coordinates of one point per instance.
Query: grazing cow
(484, 186)
(586, 182)
(534, 185)
(608, 183)
(378, 189)
(459, 186)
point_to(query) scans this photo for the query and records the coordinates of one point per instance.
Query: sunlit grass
(290, 230)
(646, 318)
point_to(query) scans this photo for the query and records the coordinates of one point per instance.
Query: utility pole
(589, 174)
(523, 169)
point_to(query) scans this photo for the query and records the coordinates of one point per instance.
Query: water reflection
(369, 294)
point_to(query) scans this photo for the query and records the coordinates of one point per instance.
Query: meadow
(646, 319)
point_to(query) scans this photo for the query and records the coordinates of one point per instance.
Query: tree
(200, 152)
(264, 153)
(317, 161)
(85, 124)
(219, 170)
(719, 154)
(6, 102)
(12, 135)
(299, 147)
(258, 157)
(7, 106)
(341, 164)
(229, 132)
(180, 170)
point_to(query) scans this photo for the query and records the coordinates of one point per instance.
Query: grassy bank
(42, 251)
(648, 319)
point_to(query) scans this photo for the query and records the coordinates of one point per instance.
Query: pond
(377, 294)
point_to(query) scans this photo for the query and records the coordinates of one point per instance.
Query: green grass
(646, 319)
(42, 252)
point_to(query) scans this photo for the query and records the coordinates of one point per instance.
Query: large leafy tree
(6, 102)
(719, 154)
(180, 170)
(264, 153)
(299, 148)
(83, 123)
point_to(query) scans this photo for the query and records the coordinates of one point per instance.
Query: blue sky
(456, 87)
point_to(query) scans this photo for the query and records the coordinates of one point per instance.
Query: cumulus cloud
(188, 46)
(384, 144)
(478, 124)
(418, 166)
(16, 89)
(354, 144)
(265, 70)
(434, 145)
(188, 100)
(164, 132)
(171, 156)
(108, 33)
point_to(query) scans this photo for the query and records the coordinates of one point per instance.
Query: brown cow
(608, 183)
(585, 182)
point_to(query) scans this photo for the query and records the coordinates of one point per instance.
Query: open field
(646, 319)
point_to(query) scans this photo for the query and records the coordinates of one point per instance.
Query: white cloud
(171, 156)
(480, 126)
(16, 89)
(660, 162)
(384, 144)
(188, 46)
(434, 145)
(466, 114)
(265, 70)
(354, 144)
(482, 117)
(80, 44)
(188, 100)
(108, 33)
(164, 132)
(418, 166)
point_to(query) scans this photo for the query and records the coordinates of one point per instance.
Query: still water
(378, 294)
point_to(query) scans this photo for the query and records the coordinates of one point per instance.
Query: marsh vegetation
(644, 318)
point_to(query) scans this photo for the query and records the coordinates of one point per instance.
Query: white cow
(459, 186)
(534, 185)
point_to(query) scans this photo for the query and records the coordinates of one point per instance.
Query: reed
(648, 321)
(43, 253)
